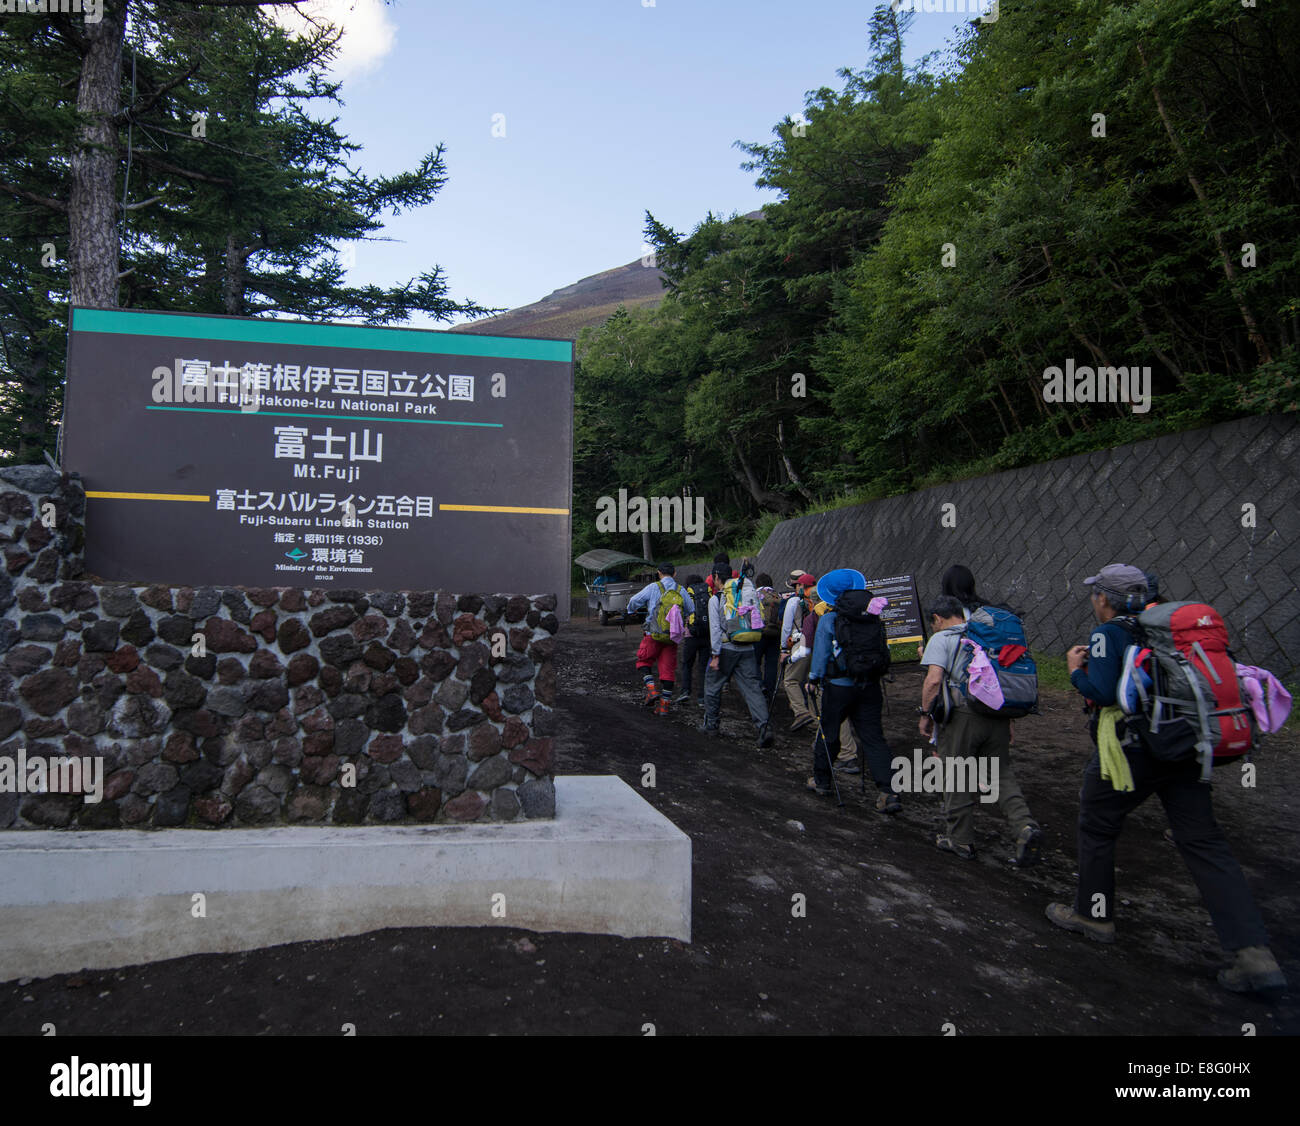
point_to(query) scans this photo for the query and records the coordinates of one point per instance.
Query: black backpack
(700, 621)
(864, 647)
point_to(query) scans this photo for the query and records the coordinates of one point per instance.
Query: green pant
(980, 737)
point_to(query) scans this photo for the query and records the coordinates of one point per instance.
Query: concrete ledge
(609, 863)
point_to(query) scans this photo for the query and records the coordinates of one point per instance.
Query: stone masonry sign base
(608, 863)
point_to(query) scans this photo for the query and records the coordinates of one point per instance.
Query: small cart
(612, 578)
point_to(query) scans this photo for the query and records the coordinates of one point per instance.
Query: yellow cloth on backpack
(820, 609)
(1114, 762)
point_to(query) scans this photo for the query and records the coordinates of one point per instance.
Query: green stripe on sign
(132, 322)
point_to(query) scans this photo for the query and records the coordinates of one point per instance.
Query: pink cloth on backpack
(982, 679)
(877, 604)
(1268, 700)
(676, 625)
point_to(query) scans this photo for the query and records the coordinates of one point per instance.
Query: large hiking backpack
(741, 622)
(1002, 637)
(698, 620)
(863, 648)
(668, 598)
(769, 602)
(1179, 684)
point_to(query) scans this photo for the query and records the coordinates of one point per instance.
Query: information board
(902, 617)
(238, 451)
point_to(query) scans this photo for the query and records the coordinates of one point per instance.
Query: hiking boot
(1066, 916)
(765, 736)
(651, 695)
(944, 843)
(1254, 970)
(681, 697)
(801, 723)
(1029, 846)
(710, 732)
(823, 791)
(848, 766)
(887, 802)
(661, 705)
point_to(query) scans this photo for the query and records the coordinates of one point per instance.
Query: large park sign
(226, 450)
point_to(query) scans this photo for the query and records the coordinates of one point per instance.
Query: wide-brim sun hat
(834, 583)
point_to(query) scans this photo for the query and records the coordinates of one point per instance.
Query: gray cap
(1119, 578)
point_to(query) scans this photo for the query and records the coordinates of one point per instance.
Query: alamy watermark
(1098, 385)
(654, 514)
(93, 10)
(56, 774)
(987, 10)
(948, 774)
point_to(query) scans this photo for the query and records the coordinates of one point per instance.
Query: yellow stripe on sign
(503, 508)
(147, 496)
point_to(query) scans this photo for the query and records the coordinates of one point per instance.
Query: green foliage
(940, 240)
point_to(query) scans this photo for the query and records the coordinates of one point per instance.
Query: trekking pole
(822, 735)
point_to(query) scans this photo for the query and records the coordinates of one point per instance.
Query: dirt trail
(898, 938)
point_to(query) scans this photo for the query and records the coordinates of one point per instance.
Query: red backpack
(1193, 702)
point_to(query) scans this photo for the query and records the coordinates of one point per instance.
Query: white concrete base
(608, 864)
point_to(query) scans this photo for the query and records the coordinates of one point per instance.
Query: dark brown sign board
(902, 617)
(239, 451)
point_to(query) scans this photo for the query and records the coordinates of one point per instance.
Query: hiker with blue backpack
(1166, 700)
(735, 627)
(979, 678)
(668, 608)
(850, 655)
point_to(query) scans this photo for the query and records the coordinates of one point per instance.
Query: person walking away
(769, 645)
(1131, 775)
(797, 650)
(851, 656)
(661, 601)
(735, 625)
(982, 740)
(695, 648)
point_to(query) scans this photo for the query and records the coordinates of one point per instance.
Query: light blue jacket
(825, 651)
(649, 598)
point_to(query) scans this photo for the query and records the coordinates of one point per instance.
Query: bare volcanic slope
(573, 307)
(588, 302)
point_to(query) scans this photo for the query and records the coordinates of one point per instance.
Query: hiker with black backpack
(735, 626)
(694, 649)
(1166, 753)
(769, 645)
(974, 720)
(850, 655)
(667, 608)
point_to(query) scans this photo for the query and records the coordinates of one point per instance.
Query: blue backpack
(1002, 636)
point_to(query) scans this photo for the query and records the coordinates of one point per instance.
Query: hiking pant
(796, 672)
(860, 707)
(742, 664)
(662, 653)
(980, 737)
(768, 650)
(1187, 802)
(695, 650)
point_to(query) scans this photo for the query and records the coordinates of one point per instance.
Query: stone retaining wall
(236, 706)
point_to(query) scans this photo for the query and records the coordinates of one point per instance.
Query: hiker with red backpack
(668, 608)
(798, 629)
(1166, 703)
(735, 626)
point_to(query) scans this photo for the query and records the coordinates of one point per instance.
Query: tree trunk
(93, 245)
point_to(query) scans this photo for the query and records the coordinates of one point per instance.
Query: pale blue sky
(611, 108)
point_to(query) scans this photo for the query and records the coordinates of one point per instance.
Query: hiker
(797, 645)
(1130, 775)
(768, 650)
(735, 626)
(695, 646)
(667, 607)
(850, 654)
(958, 582)
(983, 740)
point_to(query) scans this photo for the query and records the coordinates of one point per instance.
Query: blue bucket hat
(834, 583)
